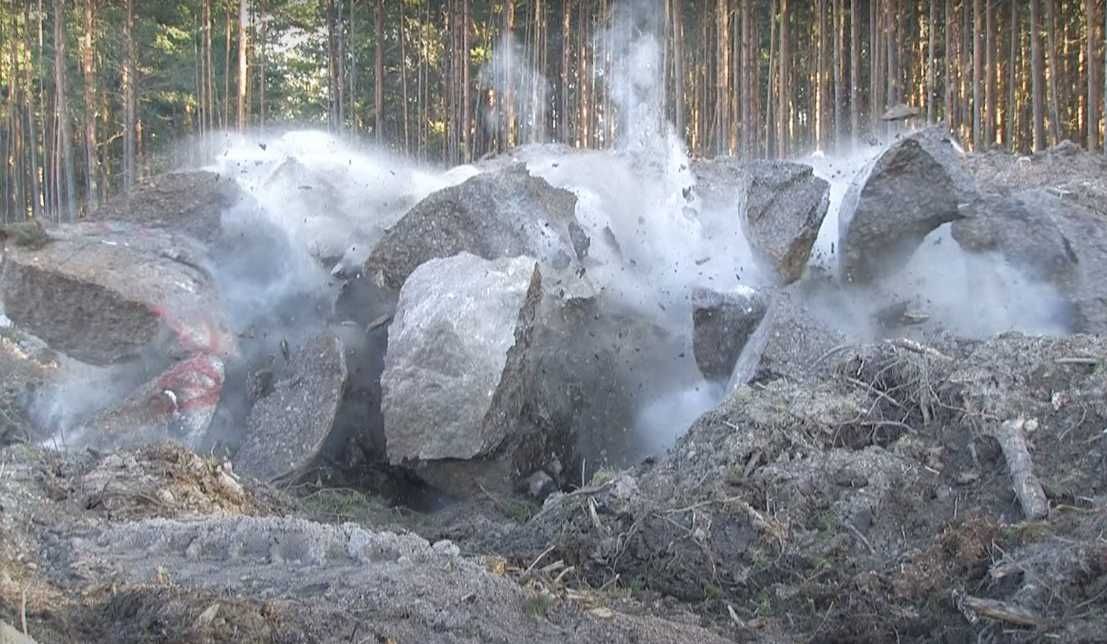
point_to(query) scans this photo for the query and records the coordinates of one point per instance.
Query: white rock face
(455, 321)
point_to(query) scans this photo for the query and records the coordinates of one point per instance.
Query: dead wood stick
(1091, 362)
(919, 348)
(1001, 611)
(1027, 487)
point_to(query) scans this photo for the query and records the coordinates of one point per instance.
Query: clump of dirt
(168, 480)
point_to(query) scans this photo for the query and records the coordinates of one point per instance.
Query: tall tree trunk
(722, 76)
(1092, 62)
(62, 105)
(1012, 82)
(977, 74)
(855, 68)
(129, 125)
(29, 108)
(892, 40)
(378, 72)
(785, 95)
(509, 77)
(227, 7)
(948, 79)
(566, 59)
(990, 75)
(403, 77)
(678, 69)
(839, 70)
(1054, 69)
(262, 50)
(466, 106)
(932, 64)
(243, 76)
(876, 65)
(1036, 76)
(332, 67)
(92, 194)
(209, 73)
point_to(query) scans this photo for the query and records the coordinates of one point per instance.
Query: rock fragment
(291, 424)
(722, 324)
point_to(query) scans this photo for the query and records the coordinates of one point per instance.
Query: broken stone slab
(178, 405)
(190, 202)
(785, 206)
(781, 206)
(722, 324)
(915, 186)
(506, 213)
(1050, 239)
(290, 425)
(103, 293)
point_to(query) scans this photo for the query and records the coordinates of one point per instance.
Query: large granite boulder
(447, 360)
(291, 423)
(191, 202)
(499, 369)
(105, 293)
(506, 213)
(722, 324)
(915, 186)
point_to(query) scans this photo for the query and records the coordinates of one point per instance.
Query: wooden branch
(1027, 487)
(1002, 611)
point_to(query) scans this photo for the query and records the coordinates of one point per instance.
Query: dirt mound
(873, 502)
(162, 543)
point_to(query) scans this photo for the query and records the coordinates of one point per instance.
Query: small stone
(967, 477)
(1031, 426)
(540, 485)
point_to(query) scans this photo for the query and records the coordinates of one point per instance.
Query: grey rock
(540, 485)
(915, 186)
(1050, 239)
(781, 204)
(799, 334)
(190, 202)
(722, 324)
(291, 424)
(784, 209)
(104, 293)
(506, 213)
